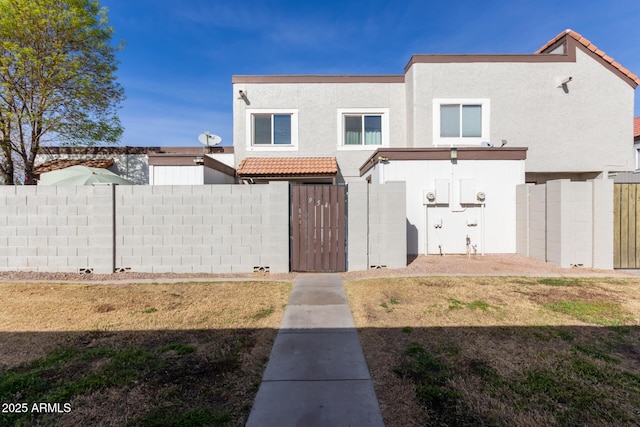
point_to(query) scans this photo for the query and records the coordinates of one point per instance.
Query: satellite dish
(209, 139)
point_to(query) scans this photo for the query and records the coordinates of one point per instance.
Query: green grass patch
(150, 310)
(455, 304)
(265, 312)
(561, 281)
(431, 377)
(600, 313)
(388, 306)
(179, 348)
(169, 417)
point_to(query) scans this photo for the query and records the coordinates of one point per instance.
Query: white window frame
(271, 147)
(485, 105)
(382, 112)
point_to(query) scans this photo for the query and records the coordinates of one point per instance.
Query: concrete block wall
(522, 220)
(603, 223)
(183, 229)
(203, 228)
(538, 222)
(569, 223)
(387, 225)
(357, 226)
(56, 229)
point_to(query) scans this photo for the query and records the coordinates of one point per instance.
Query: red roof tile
(288, 166)
(586, 43)
(56, 164)
(636, 127)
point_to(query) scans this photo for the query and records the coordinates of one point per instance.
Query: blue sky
(179, 56)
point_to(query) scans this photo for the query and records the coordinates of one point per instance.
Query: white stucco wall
(495, 223)
(317, 105)
(176, 175)
(587, 128)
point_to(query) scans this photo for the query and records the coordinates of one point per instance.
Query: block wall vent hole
(377, 267)
(85, 271)
(122, 270)
(261, 269)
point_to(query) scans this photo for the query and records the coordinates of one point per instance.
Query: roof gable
(554, 42)
(636, 128)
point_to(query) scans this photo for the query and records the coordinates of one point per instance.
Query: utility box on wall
(467, 192)
(442, 191)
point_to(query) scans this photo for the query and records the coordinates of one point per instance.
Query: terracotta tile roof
(586, 43)
(636, 128)
(56, 164)
(288, 166)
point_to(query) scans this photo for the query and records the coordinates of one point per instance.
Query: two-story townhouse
(455, 128)
(569, 104)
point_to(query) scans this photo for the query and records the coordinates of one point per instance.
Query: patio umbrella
(82, 175)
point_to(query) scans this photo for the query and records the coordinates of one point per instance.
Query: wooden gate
(626, 226)
(318, 228)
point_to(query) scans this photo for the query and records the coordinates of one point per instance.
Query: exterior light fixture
(243, 95)
(383, 159)
(454, 154)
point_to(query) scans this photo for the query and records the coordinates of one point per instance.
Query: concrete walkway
(317, 374)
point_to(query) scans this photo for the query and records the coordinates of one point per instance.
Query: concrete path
(317, 374)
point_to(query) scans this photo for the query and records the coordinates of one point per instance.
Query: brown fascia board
(319, 79)
(135, 150)
(95, 150)
(444, 59)
(173, 159)
(570, 43)
(210, 162)
(444, 153)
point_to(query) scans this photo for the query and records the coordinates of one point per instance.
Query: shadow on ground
(502, 376)
(137, 378)
(506, 376)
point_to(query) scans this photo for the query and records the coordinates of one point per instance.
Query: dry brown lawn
(501, 351)
(138, 354)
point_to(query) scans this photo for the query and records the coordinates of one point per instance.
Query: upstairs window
(363, 129)
(460, 122)
(272, 130)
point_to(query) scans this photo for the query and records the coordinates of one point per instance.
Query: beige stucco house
(568, 103)
(462, 131)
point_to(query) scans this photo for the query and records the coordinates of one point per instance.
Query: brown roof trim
(319, 79)
(57, 164)
(136, 150)
(210, 162)
(466, 58)
(575, 40)
(444, 153)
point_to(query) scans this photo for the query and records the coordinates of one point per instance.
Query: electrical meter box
(442, 191)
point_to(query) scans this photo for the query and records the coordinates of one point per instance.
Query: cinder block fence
(180, 229)
(566, 223)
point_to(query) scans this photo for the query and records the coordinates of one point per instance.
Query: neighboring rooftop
(636, 129)
(56, 164)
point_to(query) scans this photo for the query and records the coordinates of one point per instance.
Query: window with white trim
(272, 130)
(363, 128)
(460, 121)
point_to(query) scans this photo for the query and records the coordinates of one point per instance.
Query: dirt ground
(433, 265)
